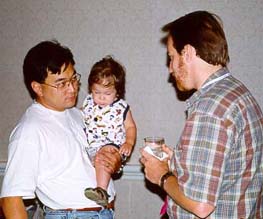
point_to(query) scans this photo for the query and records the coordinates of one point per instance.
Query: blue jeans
(60, 214)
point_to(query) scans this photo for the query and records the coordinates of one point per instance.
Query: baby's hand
(126, 149)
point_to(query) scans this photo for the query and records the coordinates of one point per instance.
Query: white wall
(130, 30)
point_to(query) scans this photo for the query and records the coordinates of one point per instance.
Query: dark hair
(203, 31)
(47, 56)
(108, 72)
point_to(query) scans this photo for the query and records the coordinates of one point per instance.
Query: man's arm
(13, 208)
(155, 169)
(200, 209)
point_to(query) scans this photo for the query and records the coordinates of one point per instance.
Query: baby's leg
(102, 176)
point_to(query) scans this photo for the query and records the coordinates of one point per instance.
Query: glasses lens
(77, 77)
(62, 84)
(65, 84)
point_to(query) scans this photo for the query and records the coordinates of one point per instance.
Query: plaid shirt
(219, 157)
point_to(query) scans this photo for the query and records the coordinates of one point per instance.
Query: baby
(108, 120)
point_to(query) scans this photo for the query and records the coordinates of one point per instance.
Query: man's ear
(188, 53)
(37, 88)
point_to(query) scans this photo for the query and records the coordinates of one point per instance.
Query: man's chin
(71, 104)
(180, 87)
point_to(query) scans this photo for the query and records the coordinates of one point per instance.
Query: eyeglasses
(62, 85)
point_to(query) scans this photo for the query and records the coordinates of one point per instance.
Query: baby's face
(103, 96)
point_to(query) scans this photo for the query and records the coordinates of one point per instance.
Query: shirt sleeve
(200, 156)
(21, 171)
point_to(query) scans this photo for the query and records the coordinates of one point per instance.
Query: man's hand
(109, 157)
(153, 167)
(168, 150)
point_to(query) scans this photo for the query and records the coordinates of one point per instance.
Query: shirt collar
(221, 73)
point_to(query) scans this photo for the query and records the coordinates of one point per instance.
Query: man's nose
(170, 68)
(70, 86)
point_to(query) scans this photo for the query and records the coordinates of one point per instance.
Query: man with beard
(216, 167)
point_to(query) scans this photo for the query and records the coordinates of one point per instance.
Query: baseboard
(133, 172)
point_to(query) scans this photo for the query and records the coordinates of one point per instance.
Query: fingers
(109, 158)
(146, 157)
(142, 160)
(167, 150)
(108, 153)
(145, 154)
(108, 167)
(108, 148)
(124, 152)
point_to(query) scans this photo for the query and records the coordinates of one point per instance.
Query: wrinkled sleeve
(21, 170)
(200, 157)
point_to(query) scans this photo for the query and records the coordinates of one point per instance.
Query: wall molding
(2, 168)
(130, 171)
(133, 172)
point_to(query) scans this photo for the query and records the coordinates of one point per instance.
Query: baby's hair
(108, 72)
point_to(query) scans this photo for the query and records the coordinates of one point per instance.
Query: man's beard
(181, 76)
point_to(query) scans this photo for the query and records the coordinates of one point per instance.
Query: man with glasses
(46, 156)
